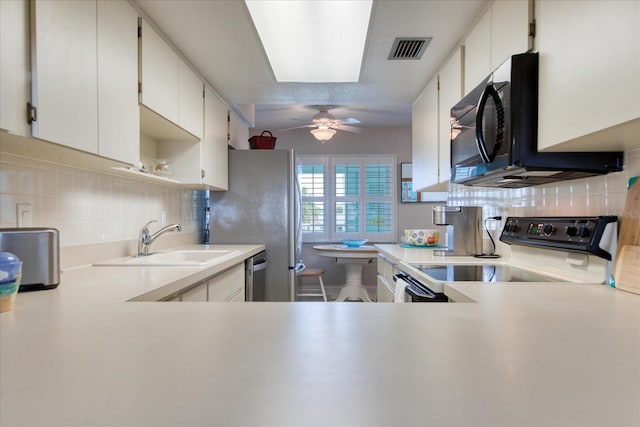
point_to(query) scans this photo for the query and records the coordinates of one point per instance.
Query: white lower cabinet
(385, 293)
(197, 293)
(227, 285)
(385, 284)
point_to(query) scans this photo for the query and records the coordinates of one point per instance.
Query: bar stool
(313, 272)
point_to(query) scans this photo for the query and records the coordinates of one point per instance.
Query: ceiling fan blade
(348, 121)
(299, 127)
(350, 128)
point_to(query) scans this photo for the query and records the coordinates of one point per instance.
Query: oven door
(415, 290)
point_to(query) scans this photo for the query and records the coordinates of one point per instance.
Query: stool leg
(324, 294)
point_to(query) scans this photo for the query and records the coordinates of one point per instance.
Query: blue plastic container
(10, 274)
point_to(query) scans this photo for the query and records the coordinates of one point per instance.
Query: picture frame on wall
(407, 195)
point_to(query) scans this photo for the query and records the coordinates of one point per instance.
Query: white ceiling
(219, 39)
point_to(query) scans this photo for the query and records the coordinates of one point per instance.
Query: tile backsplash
(599, 195)
(88, 207)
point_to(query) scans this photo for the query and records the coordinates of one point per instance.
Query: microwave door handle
(489, 91)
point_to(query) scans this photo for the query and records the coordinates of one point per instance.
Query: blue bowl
(354, 243)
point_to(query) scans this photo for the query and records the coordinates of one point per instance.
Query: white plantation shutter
(347, 197)
(379, 198)
(312, 174)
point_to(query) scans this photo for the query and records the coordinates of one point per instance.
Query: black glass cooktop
(483, 273)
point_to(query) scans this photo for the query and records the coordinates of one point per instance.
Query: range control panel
(576, 234)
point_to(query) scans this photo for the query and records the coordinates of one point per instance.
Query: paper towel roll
(400, 294)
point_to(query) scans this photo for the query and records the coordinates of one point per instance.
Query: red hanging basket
(264, 141)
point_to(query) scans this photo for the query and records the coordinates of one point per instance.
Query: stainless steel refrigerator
(261, 206)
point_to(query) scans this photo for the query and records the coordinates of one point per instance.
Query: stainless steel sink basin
(170, 258)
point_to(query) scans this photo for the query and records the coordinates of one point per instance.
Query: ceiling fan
(326, 124)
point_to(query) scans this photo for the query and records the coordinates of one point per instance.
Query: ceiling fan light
(323, 134)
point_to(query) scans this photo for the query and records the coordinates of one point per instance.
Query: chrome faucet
(146, 238)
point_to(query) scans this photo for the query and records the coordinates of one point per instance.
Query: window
(347, 197)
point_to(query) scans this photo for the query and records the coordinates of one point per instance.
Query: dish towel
(400, 294)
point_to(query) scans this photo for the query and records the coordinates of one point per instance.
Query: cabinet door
(160, 75)
(191, 100)
(119, 115)
(450, 93)
(227, 284)
(589, 73)
(239, 297)
(64, 73)
(477, 53)
(384, 292)
(238, 131)
(425, 137)
(196, 294)
(509, 30)
(214, 143)
(14, 66)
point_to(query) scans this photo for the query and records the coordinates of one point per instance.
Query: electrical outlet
(24, 216)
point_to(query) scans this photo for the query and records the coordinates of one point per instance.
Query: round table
(353, 260)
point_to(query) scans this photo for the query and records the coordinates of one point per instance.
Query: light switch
(24, 215)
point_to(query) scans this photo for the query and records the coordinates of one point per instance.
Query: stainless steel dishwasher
(255, 268)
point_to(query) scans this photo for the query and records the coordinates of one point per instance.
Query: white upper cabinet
(509, 30)
(424, 135)
(84, 70)
(214, 144)
(191, 100)
(118, 111)
(64, 73)
(169, 88)
(159, 75)
(431, 123)
(238, 132)
(450, 77)
(501, 32)
(477, 53)
(14, 66)
(589, 91)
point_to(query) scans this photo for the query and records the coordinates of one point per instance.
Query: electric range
(543, 249)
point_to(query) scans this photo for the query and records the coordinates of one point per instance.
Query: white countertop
(526, 354)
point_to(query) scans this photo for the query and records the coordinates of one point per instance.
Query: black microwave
(494, 131)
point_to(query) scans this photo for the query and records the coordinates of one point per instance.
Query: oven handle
(416, 289)
(489, 91)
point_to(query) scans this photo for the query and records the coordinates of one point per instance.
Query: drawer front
(227, 284)
(385, 293)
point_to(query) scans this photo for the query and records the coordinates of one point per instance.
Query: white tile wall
(601, 195)
(88, 207)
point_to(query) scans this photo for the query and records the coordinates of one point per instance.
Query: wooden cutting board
(626, 271)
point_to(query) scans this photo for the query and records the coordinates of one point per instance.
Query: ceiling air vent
(408, 48)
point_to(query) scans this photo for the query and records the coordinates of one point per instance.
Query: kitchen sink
(170, 258)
